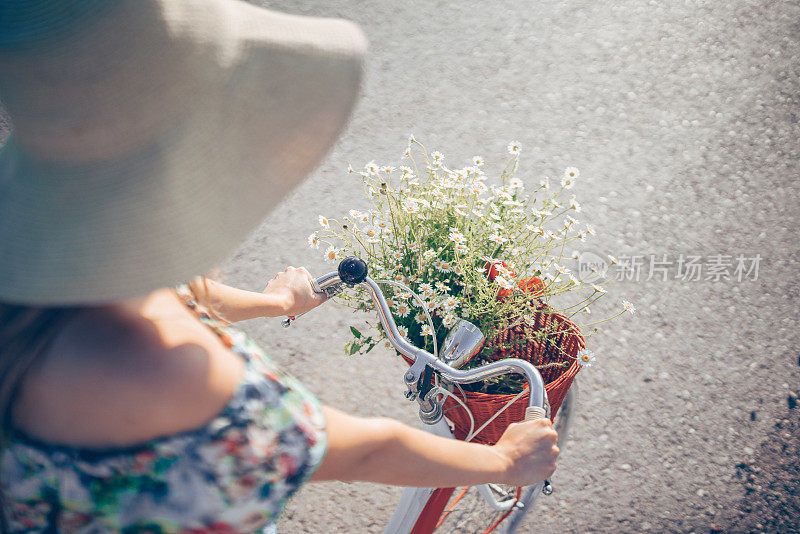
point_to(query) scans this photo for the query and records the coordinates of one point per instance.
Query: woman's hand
(530, 451)
(292, 290)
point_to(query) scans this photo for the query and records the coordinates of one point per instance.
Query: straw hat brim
(106, 229)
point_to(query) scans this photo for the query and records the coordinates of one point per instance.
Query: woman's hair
(25, 333)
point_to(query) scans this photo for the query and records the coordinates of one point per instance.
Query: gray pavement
(683, 119)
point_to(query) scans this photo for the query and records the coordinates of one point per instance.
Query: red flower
(491, 268)
(526, 285)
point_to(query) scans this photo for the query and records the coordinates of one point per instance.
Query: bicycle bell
(352, 271)
(461, 344)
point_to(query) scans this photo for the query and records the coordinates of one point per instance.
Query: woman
(150, 137)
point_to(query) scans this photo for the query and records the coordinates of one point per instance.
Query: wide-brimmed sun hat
(150, 137)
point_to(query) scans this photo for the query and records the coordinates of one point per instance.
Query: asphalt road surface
(682, 117)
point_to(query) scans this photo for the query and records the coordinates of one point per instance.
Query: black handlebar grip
(353, 270)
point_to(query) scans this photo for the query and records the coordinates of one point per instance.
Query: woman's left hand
(292, 288)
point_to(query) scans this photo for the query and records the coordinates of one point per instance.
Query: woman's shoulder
(116, 376)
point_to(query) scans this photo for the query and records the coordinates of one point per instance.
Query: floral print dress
(232, 475)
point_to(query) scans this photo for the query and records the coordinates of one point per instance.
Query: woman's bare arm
(289, 293)
(389, 452)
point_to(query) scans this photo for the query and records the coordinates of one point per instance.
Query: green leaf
(355, 332)
(355, 347)
(372, 346)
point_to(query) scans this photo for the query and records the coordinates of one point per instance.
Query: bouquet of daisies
(487, 249)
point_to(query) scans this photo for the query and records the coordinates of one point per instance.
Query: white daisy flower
(560, 268)
(529, 320)
(555, 203)
(461, 247)
(457, 237)
(373, 241)
(387, 344)
(370, 231)
(421, 318)
(574, 204)
(411, 139)
(599, 289)
(477, 161)
(587, 310)
(372, 168)
(411, 208)
(407, 153)
(441, 286)
(545, 183)
(428, 254)
(403, 330)
(516, 183)
(323, 221)
(541, 213)
(388, 169)
(569, 221)
(612, 259)
(502, 270)
(628, 307)
(313, 241)
(502, 282)
(331, 254)
(590, 229)
(398, 255)
(478, 188)
(585, 357)
(571, 172)
(496, 238)
(437, 157)
(401, 310)
(535, 229)
(516, 251)
(426, 330)
(567, 182)
(431, 305)
(574, 280)
(355, 214)
(449, 320)
(450, 303)
(514, 147)
(425, 288)
(400, 278)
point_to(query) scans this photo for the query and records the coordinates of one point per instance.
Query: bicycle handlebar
(353, 271)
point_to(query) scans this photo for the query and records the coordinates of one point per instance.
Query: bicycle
(430, 380)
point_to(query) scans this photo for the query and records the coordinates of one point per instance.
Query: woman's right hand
(530, 449)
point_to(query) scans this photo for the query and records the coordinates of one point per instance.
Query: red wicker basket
(562, 333)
